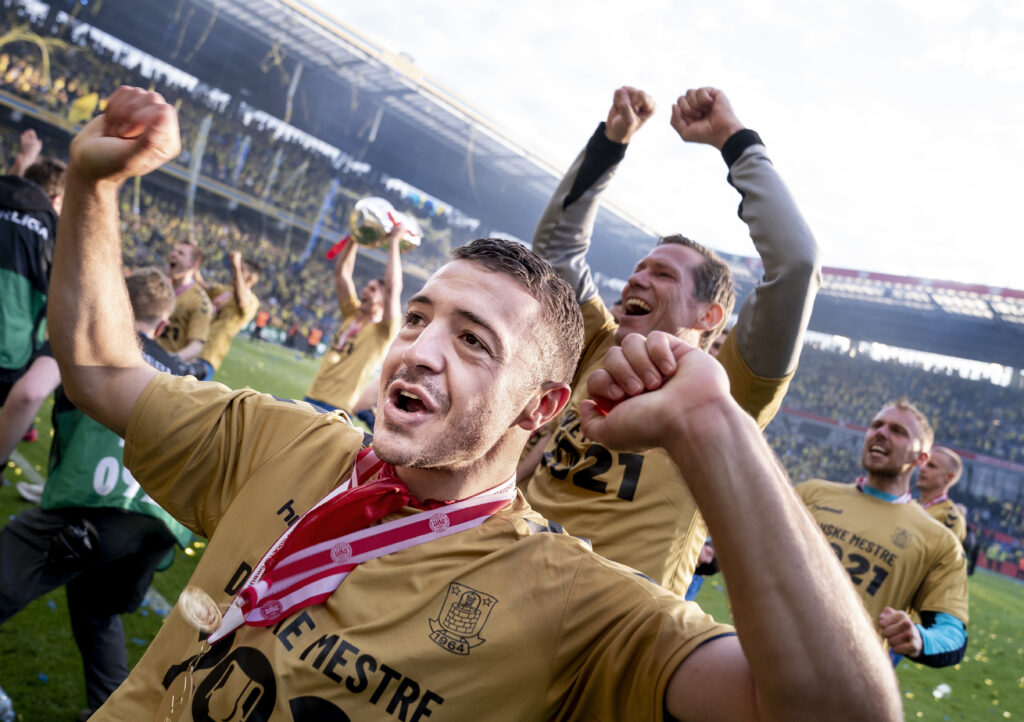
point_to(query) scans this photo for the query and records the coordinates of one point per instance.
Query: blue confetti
(10, 517)
(43, 677)
(161, 612)
(143, 613)
(51, 604)
(140, 642)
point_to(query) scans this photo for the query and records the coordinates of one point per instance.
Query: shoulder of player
(811, 487)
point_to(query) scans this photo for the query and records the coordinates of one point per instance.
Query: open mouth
(408, 402)
(636, 307)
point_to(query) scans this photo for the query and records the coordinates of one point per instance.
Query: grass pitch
(41, 670)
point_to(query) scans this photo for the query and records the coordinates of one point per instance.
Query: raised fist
(630, 110)
(649, 387)
(704, 115)
(137, 134)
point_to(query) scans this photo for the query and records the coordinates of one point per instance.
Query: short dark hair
(561, 340)
(50, 174)
(712, 283)
(151, 294)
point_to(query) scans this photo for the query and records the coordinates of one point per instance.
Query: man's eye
(471, 340)
(413, 319)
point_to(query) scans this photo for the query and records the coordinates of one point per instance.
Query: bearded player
(370, 322)
(899, 558)
(369, 623)
(934, 480)
(635, 508)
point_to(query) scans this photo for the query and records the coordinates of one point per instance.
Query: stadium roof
(381, 109)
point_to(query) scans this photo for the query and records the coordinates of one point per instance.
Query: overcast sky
(898, 125)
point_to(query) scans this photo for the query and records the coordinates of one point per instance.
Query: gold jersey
(950, 517)
(634, 508)
(896, 555)
(229, 318)
(506, 621)
(190, 321)
(344, 372)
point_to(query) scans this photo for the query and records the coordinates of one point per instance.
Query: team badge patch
(271, 608)
(463, 615)
(341, 552)
(439, 522)
(901, 537)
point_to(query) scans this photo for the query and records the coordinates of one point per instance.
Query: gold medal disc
(199, 609)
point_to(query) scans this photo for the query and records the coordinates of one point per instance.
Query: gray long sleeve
(564, 230)
(773, 318)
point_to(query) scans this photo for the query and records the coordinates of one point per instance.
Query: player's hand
(235, 257)
(648, 387)
(31, 147)
(137, 134)
(704, 115)
(900, 631)
(630, 109)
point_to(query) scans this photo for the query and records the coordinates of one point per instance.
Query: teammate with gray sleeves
(774, 316)
(635, 508)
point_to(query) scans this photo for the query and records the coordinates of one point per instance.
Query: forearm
(191, 350)
(943, 638)
(89, 316)
(343, 269)
(810, 647)
(562, 236)
(393, 283)
(773, 318)
(242, 292)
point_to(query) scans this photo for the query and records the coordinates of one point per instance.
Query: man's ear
(710, 316)
(159, 328)
(544, 406)
(921, 458)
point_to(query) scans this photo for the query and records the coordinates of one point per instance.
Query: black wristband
(738, 142)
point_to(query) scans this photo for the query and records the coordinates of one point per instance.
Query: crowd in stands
(974, 415)
(245, 150)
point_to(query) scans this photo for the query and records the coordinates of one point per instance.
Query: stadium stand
(293, 116)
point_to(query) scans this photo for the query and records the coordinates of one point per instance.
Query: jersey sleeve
(348, 306)
(760, 397)
(944, 588)
(563, 233)
(192, 446)
(774, 316)
(620, 651)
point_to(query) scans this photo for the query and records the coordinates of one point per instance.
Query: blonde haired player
(899, 558)
(934, 480)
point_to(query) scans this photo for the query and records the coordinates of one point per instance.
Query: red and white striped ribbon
(309, 576)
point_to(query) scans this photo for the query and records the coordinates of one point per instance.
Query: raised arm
(806, 649)
(243, 294)
(28, 152)
(90, 319)
(772, 320)
(344, 286)
(562, 236)
(393, 279)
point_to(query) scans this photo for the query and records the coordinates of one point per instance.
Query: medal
(199, 609)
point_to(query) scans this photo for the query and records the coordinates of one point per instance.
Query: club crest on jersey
(463, 615)
(901, 537)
